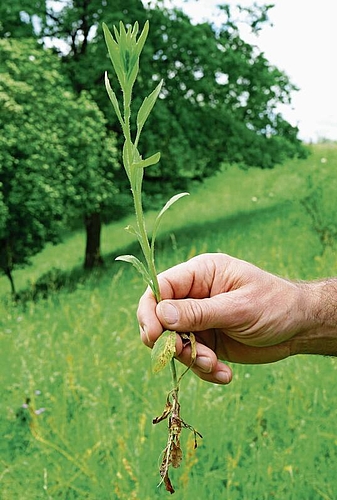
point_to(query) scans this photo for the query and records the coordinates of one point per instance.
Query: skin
(239, 313)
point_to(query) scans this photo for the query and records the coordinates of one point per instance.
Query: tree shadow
(56, 280)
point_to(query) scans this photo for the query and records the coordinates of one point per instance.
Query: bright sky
(303, 43)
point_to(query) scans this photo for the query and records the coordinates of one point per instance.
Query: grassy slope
(77, 356)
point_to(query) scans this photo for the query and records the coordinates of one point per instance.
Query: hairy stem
(136, 188)
(145, 244)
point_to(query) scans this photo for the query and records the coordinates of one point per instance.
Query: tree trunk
(8, 273)
(93, 244)
(6, 263)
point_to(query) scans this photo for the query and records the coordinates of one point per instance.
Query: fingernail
(222, 377)
(204, 364)
(169, 312)
(143, 333)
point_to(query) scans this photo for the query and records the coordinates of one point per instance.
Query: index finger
(150, 326)
(194, 279)
(174, 283)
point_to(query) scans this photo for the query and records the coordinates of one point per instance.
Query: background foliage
(219, 103)
(56, 160)
(78, 395)
(220, 96)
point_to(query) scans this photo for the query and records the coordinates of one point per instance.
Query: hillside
(78, 395)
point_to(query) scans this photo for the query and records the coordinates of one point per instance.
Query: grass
(78, 396)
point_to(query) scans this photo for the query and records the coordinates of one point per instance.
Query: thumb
(192, 314)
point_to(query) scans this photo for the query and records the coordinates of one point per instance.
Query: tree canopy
(219, 102)
(56, 161)
(220, 96)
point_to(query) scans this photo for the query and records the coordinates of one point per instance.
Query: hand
(237, 312)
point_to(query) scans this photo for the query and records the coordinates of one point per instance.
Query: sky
(302, 42)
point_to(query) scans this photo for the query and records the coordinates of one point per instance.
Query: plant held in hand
(124, 51)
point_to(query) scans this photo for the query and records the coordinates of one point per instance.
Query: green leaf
(138, 265)
(142, 38)
(131, 230)
(135, 30)
(110, 42)
(163, 350)
(114, 53)
(171, 201)
(127, 156)
(147, 106)
(152, 160)
(113, 99)
(160, 215)
(132, 75)
(116, 33)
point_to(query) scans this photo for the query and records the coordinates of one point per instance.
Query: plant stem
(136, 183)
(144, 241)
(136, 187)
(174, 375)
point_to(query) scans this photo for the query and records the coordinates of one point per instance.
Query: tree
(220, 96)
(54, 153)
(17, 18)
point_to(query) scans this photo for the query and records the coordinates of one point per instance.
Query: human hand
(237, 312)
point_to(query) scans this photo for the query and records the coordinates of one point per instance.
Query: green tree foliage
(17, 17)
(56, 162)
(219, 100)
(220, 95)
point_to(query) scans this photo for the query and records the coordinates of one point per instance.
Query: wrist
(317, 333)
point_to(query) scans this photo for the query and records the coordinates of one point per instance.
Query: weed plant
(124, 51)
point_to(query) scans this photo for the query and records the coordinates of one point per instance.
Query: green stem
(136, 186)
(174, 375)
(148, 252)
(145, 243)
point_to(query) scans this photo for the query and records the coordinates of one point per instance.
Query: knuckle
(195, 315)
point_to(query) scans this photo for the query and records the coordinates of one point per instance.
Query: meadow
(77, 392)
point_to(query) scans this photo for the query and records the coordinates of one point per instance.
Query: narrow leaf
(161, 213)
(138, 265)
(135, 30)
(127, 156)
(113, 99)
(132, 75)
(111, 44)
(172, 200)
(163, 350)
(152, 160)
(147, 106)
(116, 32)
(130, 229)
(114, 53)
(142, 38)
(122, 32)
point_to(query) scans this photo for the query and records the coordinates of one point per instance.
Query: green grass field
(77, 392)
